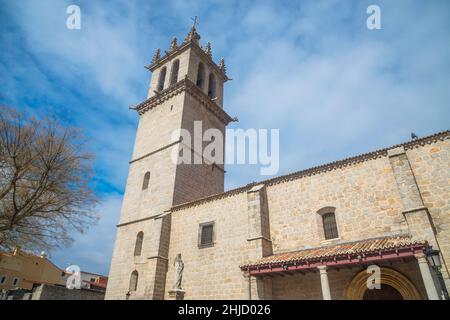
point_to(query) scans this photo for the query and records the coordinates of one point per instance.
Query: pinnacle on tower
(222, 66)
(156, 56)
(173, 45)
(208, 50)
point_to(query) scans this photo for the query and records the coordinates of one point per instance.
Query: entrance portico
(339, 271)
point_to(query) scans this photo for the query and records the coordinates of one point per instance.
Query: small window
(133, 281)
(329, 226)
(162, 79)
(3, 279)
(146, 180)
(138, 245)
(200, 75)
(15, 282)
(206, 237)
(174, 72)
(212, 86)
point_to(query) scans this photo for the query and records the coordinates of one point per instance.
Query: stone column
(326, 295)
(427, 277)
(249, 295)
(259, 288)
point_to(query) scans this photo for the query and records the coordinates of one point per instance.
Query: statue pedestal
(176, 294)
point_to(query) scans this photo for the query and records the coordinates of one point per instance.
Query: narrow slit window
(174, 72)
(161, 79)
(146, 180)
(138, 245)
(133, 281)
(200, 75)
(212, 86)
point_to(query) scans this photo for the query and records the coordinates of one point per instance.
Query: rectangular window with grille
(206, 237)
(329, 226)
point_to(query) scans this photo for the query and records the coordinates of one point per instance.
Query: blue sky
(309, 68)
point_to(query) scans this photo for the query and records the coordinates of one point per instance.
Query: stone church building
(311, 234)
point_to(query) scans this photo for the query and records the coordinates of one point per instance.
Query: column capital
(427, 278)
(326, 295)
(421, 257)
(322, 268)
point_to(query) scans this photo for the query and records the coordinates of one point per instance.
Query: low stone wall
(49, 292)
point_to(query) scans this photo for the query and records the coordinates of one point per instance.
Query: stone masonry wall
(140, 207)
(431, 166)
(194, 181)
(169, 184)
(212, 272)
(49, 292)
(367, 204)
(364, 195)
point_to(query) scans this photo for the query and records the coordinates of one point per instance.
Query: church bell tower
(186, 87)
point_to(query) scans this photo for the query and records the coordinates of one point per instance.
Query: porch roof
(357, 252)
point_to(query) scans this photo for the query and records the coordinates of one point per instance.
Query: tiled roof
(356, 248)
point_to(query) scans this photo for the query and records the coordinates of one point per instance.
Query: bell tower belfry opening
(186, 86)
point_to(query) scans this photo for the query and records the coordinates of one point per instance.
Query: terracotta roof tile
(344, 249)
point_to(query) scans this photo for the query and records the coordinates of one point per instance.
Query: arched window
(138, 245)
(162, 79)
(146, 180)
(200, 75)
(133, 281)
(212, 86)
(328, 222)
(329, 226)
(174, 72)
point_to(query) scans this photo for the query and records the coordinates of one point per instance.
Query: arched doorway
(394, 286)
(385, 293)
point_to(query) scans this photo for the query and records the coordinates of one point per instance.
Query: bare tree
(45, 174)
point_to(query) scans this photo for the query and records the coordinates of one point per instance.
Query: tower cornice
(185, 85)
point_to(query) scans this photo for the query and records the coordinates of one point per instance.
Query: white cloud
(346, 89)
(106, 49)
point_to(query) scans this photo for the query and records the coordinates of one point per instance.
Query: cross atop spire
(195, 19)
(193, 35)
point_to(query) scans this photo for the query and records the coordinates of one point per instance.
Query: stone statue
(179, 266)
